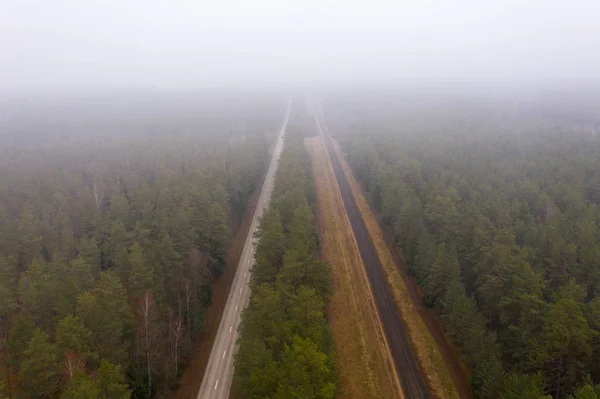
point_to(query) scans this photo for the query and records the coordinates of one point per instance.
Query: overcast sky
(175, 43)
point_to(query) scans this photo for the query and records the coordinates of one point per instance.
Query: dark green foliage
(73, 339)
(496, 211)
(106, 313)
(488, 376)
(18, 339)
(107, 384)
(524, 386)
(38, 289)
(563, 347)
(90, 224)
(271, 246)
(73, 277)
(306, 372)
(142, 272)
(587, 391)
(443, 271)
(8, 276)
(460, 315)
(285, 343)
(80, 386)
(111, 383)
(40, 369)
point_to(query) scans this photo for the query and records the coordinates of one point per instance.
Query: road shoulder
(431, 362)
(363, 360)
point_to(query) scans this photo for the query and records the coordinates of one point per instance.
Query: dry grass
(363, 360)
(430, 359)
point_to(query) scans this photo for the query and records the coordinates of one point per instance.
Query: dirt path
(363, 360)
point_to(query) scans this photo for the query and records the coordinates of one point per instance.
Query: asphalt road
(219, 370)
(411, 379)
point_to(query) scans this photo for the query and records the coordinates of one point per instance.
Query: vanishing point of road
(219, 370)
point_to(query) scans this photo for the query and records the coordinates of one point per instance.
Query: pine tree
(142, 272)
(264, 310)
(20, 334)
(488, 378)
(442, 214)
(563, 347)
(425, 256)
(218, 232)
(300, 231)
(305, 310)
(75, 342)
(270, 249)
(40, 370)
(587, 391)
(80, 386)
(71, 279)
(117, 249)
(444, 270)
(28, 233)
(297, 271)
(524, 386)
(169, 272)
(89, 250)
(306, 372)
(106, 313)
(111, 382)
(8, 304)
(408, 229)
(256, 372)
(37, 292)
(460, 314)
(592, 315)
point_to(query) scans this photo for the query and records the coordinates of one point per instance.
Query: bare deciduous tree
(71, 363)
(176, 335)
(148, 332)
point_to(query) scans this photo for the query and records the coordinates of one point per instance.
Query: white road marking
(260, 210)
(241, 288)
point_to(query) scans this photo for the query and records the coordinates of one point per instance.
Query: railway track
(413, 383)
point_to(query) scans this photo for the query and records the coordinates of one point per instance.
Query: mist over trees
(495, 204)
(109, 244)
(285, 345)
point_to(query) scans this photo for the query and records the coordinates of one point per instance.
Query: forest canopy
(109, 243)
(285, 345)
(495, 203)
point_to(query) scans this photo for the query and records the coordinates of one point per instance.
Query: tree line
(497, 212)
(285, 345)
(107, 253)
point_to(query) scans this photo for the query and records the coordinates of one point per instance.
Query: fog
(75, 45)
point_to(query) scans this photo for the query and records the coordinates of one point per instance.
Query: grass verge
(431, 361)
(363, 360)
